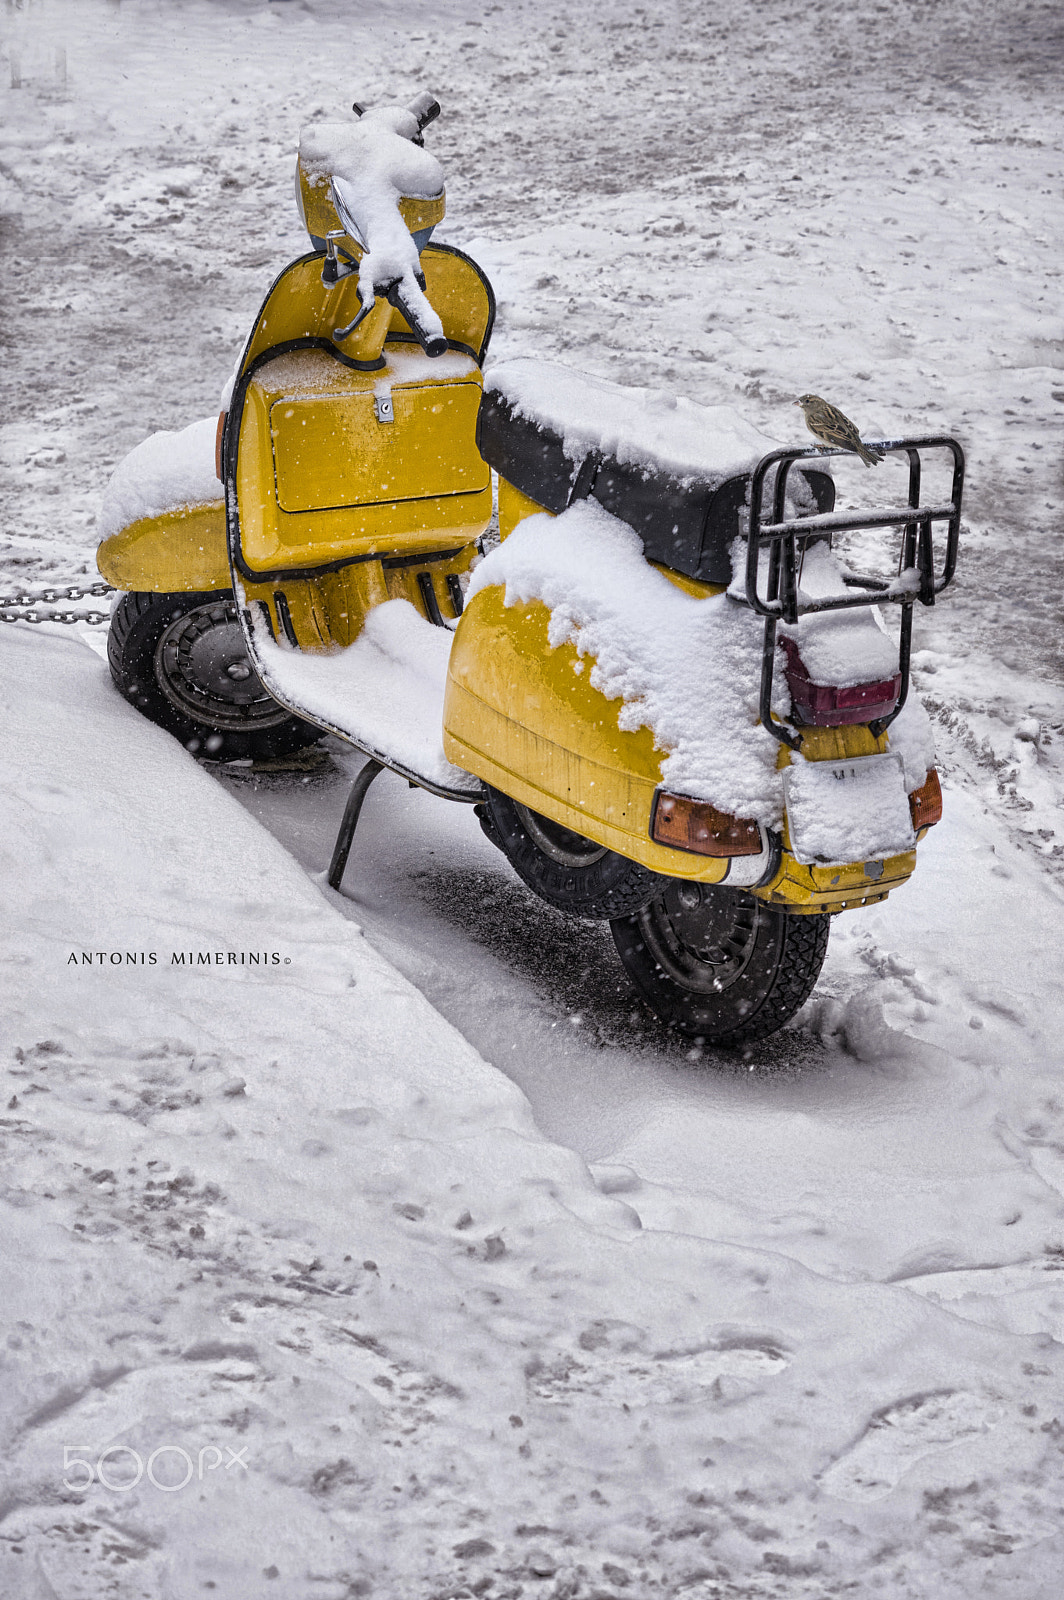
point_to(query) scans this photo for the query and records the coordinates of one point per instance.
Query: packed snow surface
(167, 472)
(277, 1233)
(645, 427)
(384, 692)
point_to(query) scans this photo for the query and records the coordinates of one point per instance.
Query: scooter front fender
(179, 552)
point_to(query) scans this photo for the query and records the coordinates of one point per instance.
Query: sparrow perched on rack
(828, 424)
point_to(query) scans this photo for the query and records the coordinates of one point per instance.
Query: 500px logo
(170, 1467)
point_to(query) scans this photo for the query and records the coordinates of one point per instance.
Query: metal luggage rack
(917, 578)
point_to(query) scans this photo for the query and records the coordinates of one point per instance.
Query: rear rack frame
(786, 541)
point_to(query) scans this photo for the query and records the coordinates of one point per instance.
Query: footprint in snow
(898, 1437)
(716, 1374)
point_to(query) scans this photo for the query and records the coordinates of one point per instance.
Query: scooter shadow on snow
(573, 965)
(570, 962)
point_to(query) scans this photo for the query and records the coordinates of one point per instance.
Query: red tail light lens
(826, 705)
(925, 803)
(697, 826)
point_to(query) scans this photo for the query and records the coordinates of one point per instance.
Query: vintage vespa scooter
(672, 703)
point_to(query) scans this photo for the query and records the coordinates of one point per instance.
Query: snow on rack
(167, 472)
(848, 647)
(644, 427)
(840, 647)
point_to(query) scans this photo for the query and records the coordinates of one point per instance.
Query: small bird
(828, 424)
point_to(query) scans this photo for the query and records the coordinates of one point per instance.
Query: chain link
(22, 607)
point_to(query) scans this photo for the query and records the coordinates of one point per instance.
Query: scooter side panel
(523, 717)
(180, 552)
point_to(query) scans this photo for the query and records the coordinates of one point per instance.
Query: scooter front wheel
(563, 867)
(718, 964)
(182, 661)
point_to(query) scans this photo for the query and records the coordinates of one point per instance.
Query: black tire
(565, 869)
(718, 964)
(181, 660)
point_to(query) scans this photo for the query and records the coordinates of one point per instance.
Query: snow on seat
(383, 693)
(675, 471)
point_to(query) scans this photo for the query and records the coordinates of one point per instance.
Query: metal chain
(21, 607)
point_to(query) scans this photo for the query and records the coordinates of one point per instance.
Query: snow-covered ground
(531, 1299)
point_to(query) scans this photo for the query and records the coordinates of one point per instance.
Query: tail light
(829, 705)
(925, 803)
(697, 826)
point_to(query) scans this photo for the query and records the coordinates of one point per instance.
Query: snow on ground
(837, 1331)
(279, 1231)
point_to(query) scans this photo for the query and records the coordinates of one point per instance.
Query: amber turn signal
(925, 803)
(697, 826)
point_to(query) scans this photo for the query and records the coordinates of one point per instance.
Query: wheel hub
(701, 937)
(202, 666)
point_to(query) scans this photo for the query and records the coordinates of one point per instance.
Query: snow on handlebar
(390, 261)
(424, 107)
(371, 165)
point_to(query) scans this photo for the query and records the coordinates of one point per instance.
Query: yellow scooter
(672, 702)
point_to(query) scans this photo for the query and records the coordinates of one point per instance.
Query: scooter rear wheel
(718, 964)
(563, 867)
(181, 660)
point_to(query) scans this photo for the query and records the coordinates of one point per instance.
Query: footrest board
(383, 693)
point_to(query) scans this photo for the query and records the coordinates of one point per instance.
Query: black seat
(686, 522)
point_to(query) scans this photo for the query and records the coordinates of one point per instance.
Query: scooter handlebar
(405, 292)
(424, 108)
(430, 336)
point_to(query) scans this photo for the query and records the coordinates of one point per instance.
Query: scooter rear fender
(523, 716)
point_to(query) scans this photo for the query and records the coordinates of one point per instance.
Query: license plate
(844, 811)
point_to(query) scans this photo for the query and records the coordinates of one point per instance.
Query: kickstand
(342, 847)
